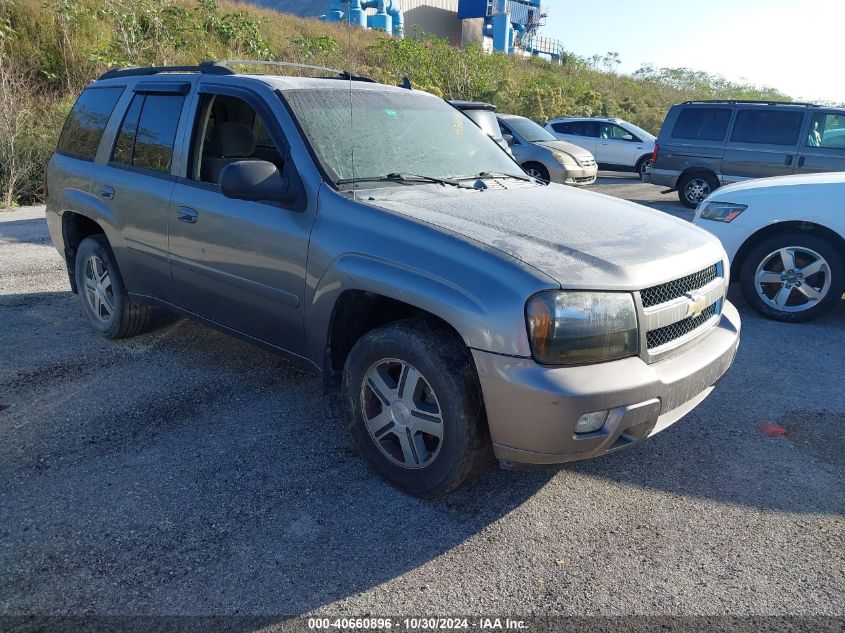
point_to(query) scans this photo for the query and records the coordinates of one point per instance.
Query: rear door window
(84, 127)
(563, 128)
(702, 124)
(586, 128)
(767, 127)
(148, 132)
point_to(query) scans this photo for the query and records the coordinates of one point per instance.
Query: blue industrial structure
(508, 26)
(388, 16)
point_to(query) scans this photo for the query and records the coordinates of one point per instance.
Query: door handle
(801, 160)
(187, 214)
(788, 160)
(106, 192)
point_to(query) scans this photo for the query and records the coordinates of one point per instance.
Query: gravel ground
(185, 472)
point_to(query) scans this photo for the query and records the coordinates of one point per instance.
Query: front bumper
(532, 409)
(578, 176)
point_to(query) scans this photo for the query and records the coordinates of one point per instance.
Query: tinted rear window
(87, 121)
(148, 131)
(770, 127)
(702, 124)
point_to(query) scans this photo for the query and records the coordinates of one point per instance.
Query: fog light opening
(591, 421)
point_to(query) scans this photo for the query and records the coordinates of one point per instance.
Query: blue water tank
(472, 9)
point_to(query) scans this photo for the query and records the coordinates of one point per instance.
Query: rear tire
(644, 166)
(695, 187)
(415, 408)
(537, 170)
(776, 293)
(109, 309)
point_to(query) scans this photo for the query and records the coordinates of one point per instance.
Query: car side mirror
(509, 139)
(628, 137)
(257, 180)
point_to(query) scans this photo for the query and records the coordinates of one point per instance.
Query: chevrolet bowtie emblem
(696, 304)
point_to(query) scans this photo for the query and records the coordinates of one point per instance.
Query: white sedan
(785, 237)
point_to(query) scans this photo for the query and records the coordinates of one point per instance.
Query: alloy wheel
(98, 289)
(697, 190)
(401, 413)
(792, 279)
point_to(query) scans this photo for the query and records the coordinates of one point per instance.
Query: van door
(763, 143)
(823, 143)
(236, 262)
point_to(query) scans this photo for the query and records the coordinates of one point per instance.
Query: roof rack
(755, 101)
(223, 67)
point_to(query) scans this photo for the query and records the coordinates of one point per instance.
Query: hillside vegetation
(49, 49)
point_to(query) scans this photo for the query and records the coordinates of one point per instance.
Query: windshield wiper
(402, 177)
(497, 174)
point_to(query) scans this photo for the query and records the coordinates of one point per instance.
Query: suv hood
(578, 238)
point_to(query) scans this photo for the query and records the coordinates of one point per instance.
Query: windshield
(529, 130)
(486, 120)
(394, 133)
(646, 136)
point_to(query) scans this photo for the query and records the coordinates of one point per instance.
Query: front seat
(229, 142)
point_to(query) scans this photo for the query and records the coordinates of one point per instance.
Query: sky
(795, 46)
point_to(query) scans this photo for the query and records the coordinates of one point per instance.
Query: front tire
(109, 309)
(537, 170)
(793, 277)
(415, 408)
(695, 187)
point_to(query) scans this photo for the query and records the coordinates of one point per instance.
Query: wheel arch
(689, 171)
(780, 228)
(75, 228)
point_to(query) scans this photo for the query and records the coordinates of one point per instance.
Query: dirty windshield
(394, 133)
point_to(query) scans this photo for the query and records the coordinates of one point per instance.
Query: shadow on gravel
(185, 472)
(31, 231)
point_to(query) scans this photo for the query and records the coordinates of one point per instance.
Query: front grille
(669, 333)
(673, 289)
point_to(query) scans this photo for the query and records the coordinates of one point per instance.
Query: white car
(785, 238)
(616, 144)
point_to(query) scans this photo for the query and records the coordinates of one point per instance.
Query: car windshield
(646, 136)
(392, 132)
(529, 130)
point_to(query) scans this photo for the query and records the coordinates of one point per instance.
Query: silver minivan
(706, 144)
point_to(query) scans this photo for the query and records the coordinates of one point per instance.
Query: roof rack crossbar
(754, 101)
(340, 74)
(206, 68)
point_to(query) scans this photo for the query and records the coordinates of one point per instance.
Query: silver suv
(455, 307)
(617, 144)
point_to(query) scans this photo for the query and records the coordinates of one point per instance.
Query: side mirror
(628, 137)
(509, 139)
(257, 180)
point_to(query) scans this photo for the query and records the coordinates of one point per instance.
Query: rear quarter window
(702, 124)
(84, 126)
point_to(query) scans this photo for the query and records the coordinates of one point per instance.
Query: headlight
(565, 159)
(721, 211)
(574, 328)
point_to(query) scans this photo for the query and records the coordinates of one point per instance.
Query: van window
(148, 132)
(84, 127)
(827, 130)
(702, 124)
(769, 127)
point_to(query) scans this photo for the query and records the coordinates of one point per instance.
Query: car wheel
(538, 171)
(415, 407)
(110, 310)
(644, 166)
(793, 277)
(693, 188)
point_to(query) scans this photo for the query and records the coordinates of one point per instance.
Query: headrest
(230, 140)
